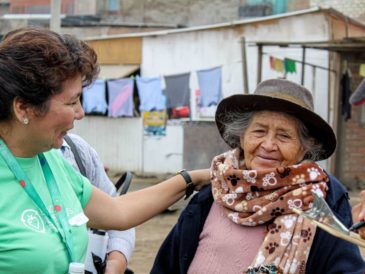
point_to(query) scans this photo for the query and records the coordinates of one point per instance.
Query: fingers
(307, 200)
(361, 213)
(355, 212)
(361, 232)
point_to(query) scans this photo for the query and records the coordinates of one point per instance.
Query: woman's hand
(358, 213)
(116, 263)
(200, 177)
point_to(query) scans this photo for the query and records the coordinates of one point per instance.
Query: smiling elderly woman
(243, 223)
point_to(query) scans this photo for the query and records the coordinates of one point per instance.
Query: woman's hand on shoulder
(200, 177)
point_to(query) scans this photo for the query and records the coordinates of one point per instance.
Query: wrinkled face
(47, 131)
(271, 140)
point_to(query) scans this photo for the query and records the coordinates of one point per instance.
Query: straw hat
(281, 96)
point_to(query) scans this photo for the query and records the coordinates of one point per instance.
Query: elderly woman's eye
(283, 135)
(258, 132)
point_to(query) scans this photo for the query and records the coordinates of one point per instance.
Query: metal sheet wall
(117, 141)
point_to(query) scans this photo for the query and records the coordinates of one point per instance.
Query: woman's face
(271, 140)
(49, 129)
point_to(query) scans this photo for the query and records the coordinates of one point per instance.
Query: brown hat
(281, 96)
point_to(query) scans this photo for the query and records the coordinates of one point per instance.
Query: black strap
(76, 154)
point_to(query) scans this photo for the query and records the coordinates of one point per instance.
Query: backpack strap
(76, 154)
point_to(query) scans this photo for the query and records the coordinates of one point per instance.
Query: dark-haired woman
(45, 204)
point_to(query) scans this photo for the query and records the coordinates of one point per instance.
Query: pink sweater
(225, 247)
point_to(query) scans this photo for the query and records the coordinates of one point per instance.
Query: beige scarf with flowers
(254, 197)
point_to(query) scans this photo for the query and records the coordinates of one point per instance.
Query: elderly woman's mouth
(266, 158)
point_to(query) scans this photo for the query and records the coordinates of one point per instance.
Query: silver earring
(25, 121)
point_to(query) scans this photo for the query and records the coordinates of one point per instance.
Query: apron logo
(33, 220)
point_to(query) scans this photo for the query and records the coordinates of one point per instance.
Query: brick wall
(201, 12)
(351, 147)
(189, 12)
(354, 165)
(352, 8)
(38, 6)
(298, 5)
(201, 143)
(182, 12)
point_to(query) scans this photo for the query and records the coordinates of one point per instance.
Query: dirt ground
(150, 235)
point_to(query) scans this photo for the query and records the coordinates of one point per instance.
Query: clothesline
(306, 63)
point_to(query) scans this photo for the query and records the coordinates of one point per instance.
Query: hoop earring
(25, 121)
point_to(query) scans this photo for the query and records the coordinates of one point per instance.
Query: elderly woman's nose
(269, 142)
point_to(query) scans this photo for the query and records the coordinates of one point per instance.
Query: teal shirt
(29, 242)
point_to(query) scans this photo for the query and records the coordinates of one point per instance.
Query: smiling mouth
(267, 158)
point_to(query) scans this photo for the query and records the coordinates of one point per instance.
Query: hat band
(288, 97)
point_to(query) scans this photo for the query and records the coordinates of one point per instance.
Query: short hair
(236, 124)
(36, 62)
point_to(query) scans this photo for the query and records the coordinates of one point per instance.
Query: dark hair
(36, 62)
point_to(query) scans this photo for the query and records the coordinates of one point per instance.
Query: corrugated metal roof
(346, 44)
(232, 23)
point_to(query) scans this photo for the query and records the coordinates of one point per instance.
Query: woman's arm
(137, 207)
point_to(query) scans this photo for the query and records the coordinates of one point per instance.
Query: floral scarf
(254, 197)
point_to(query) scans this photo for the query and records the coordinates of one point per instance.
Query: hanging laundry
(290, 66)
(93, 98)
(362, 70)
(205, 112)
(345, 90)
(177, 90)
(180, 112)
(120, 93)
(358, 97)
(272, 62)
(154, 123)
(279, 65)
(210, 83)
(150, 94)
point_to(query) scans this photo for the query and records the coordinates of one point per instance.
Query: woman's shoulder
(336, 192)
(336, 186)
(204, 196)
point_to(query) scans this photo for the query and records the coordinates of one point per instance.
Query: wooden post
(303, 65)
(244, 66)
(55, 20)
(259, 63)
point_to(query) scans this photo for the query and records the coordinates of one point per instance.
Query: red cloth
(180, 112)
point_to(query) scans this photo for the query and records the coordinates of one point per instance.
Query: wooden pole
(55, 20)
(303, 65)
(244, 66)
(259, 64)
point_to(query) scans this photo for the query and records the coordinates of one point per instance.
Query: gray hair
(236, 124)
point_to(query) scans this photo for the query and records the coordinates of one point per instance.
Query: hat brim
(318, 128)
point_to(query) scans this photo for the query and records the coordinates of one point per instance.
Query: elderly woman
(45, 204)
(244, 222)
